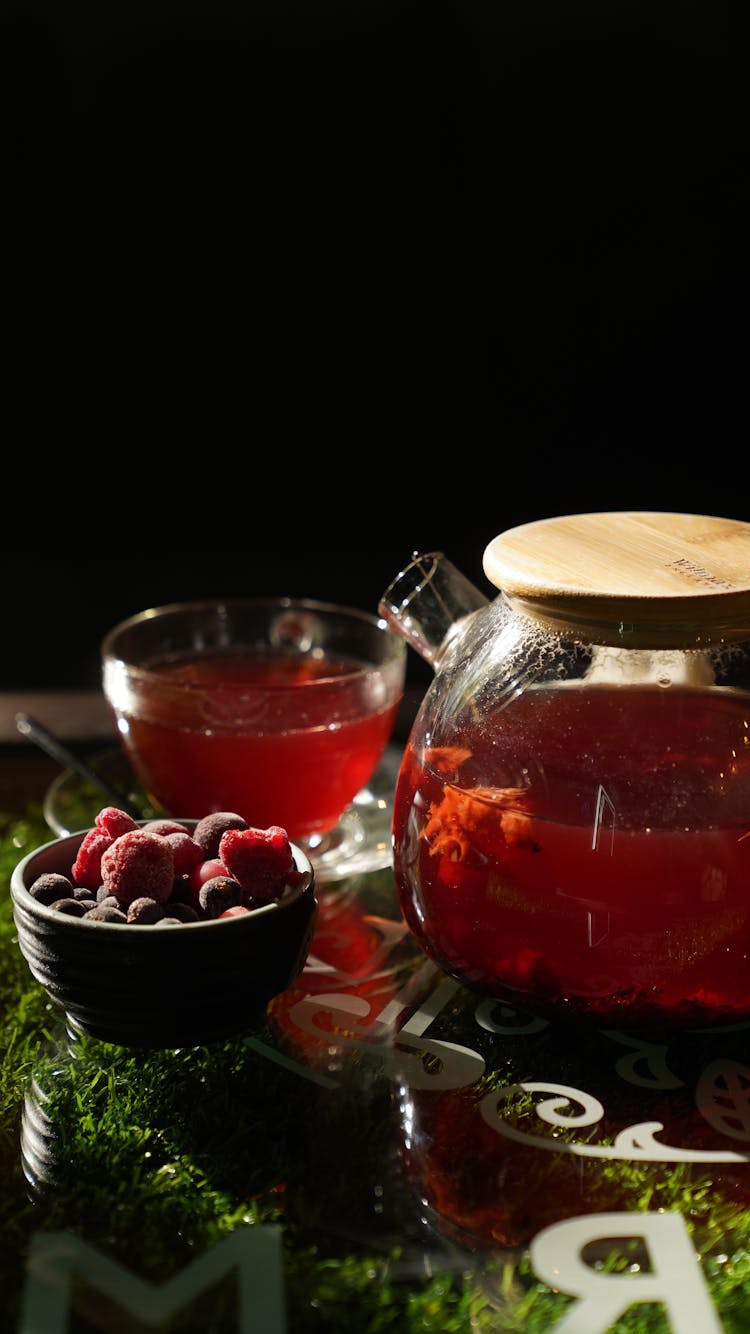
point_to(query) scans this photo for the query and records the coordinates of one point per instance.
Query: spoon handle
(33, 730)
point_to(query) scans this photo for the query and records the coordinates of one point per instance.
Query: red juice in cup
(278, 711)
(280, 740)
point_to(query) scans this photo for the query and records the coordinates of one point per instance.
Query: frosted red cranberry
(205, 871)
(138, 865)
(165, 827)
(187, 853)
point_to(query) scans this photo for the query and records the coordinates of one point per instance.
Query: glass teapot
(571, 828)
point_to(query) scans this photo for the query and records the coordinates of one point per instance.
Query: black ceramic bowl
(161, 986)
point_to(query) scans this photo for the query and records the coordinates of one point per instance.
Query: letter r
(675, 1279)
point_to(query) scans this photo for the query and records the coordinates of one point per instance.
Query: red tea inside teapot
(572, 817)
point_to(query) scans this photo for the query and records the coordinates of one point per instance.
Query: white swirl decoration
(570, 1108)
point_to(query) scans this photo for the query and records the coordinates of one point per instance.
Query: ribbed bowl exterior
(161, 986)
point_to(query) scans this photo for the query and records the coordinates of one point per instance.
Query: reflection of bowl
(161, 986)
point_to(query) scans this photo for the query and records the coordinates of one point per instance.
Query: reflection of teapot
(555, 1128)
(572, 816)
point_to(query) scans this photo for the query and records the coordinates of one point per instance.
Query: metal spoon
(33, 730)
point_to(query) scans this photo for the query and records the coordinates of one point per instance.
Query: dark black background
(298, 288)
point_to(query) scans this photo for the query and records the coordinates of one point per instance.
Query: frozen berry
(181, 892)
(260, 859)
(105, 912)
(250, 902)
(219, 894)
(208, 831)
(85, 895)
(199, 875)
(183, 912)
(187, 853)
(145, 911)
(114, 822)
(104, 897)
(138, 865)
(70, 907)
(125, 872)
(206, 871)
(166, 827)
(87, 867)
(49, 887)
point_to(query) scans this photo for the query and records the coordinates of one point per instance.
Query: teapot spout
(427, 603)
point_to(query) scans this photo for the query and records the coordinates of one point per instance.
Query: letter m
(55, 1258)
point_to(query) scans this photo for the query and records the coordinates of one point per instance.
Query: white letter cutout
(675, 1279)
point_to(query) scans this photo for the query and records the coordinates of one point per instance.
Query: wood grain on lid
(649, 566)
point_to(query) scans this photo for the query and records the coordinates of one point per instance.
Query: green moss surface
(153, 1158)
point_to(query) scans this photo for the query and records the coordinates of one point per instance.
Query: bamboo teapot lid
(640, 577)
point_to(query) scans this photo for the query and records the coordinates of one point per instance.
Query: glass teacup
(277, 709)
